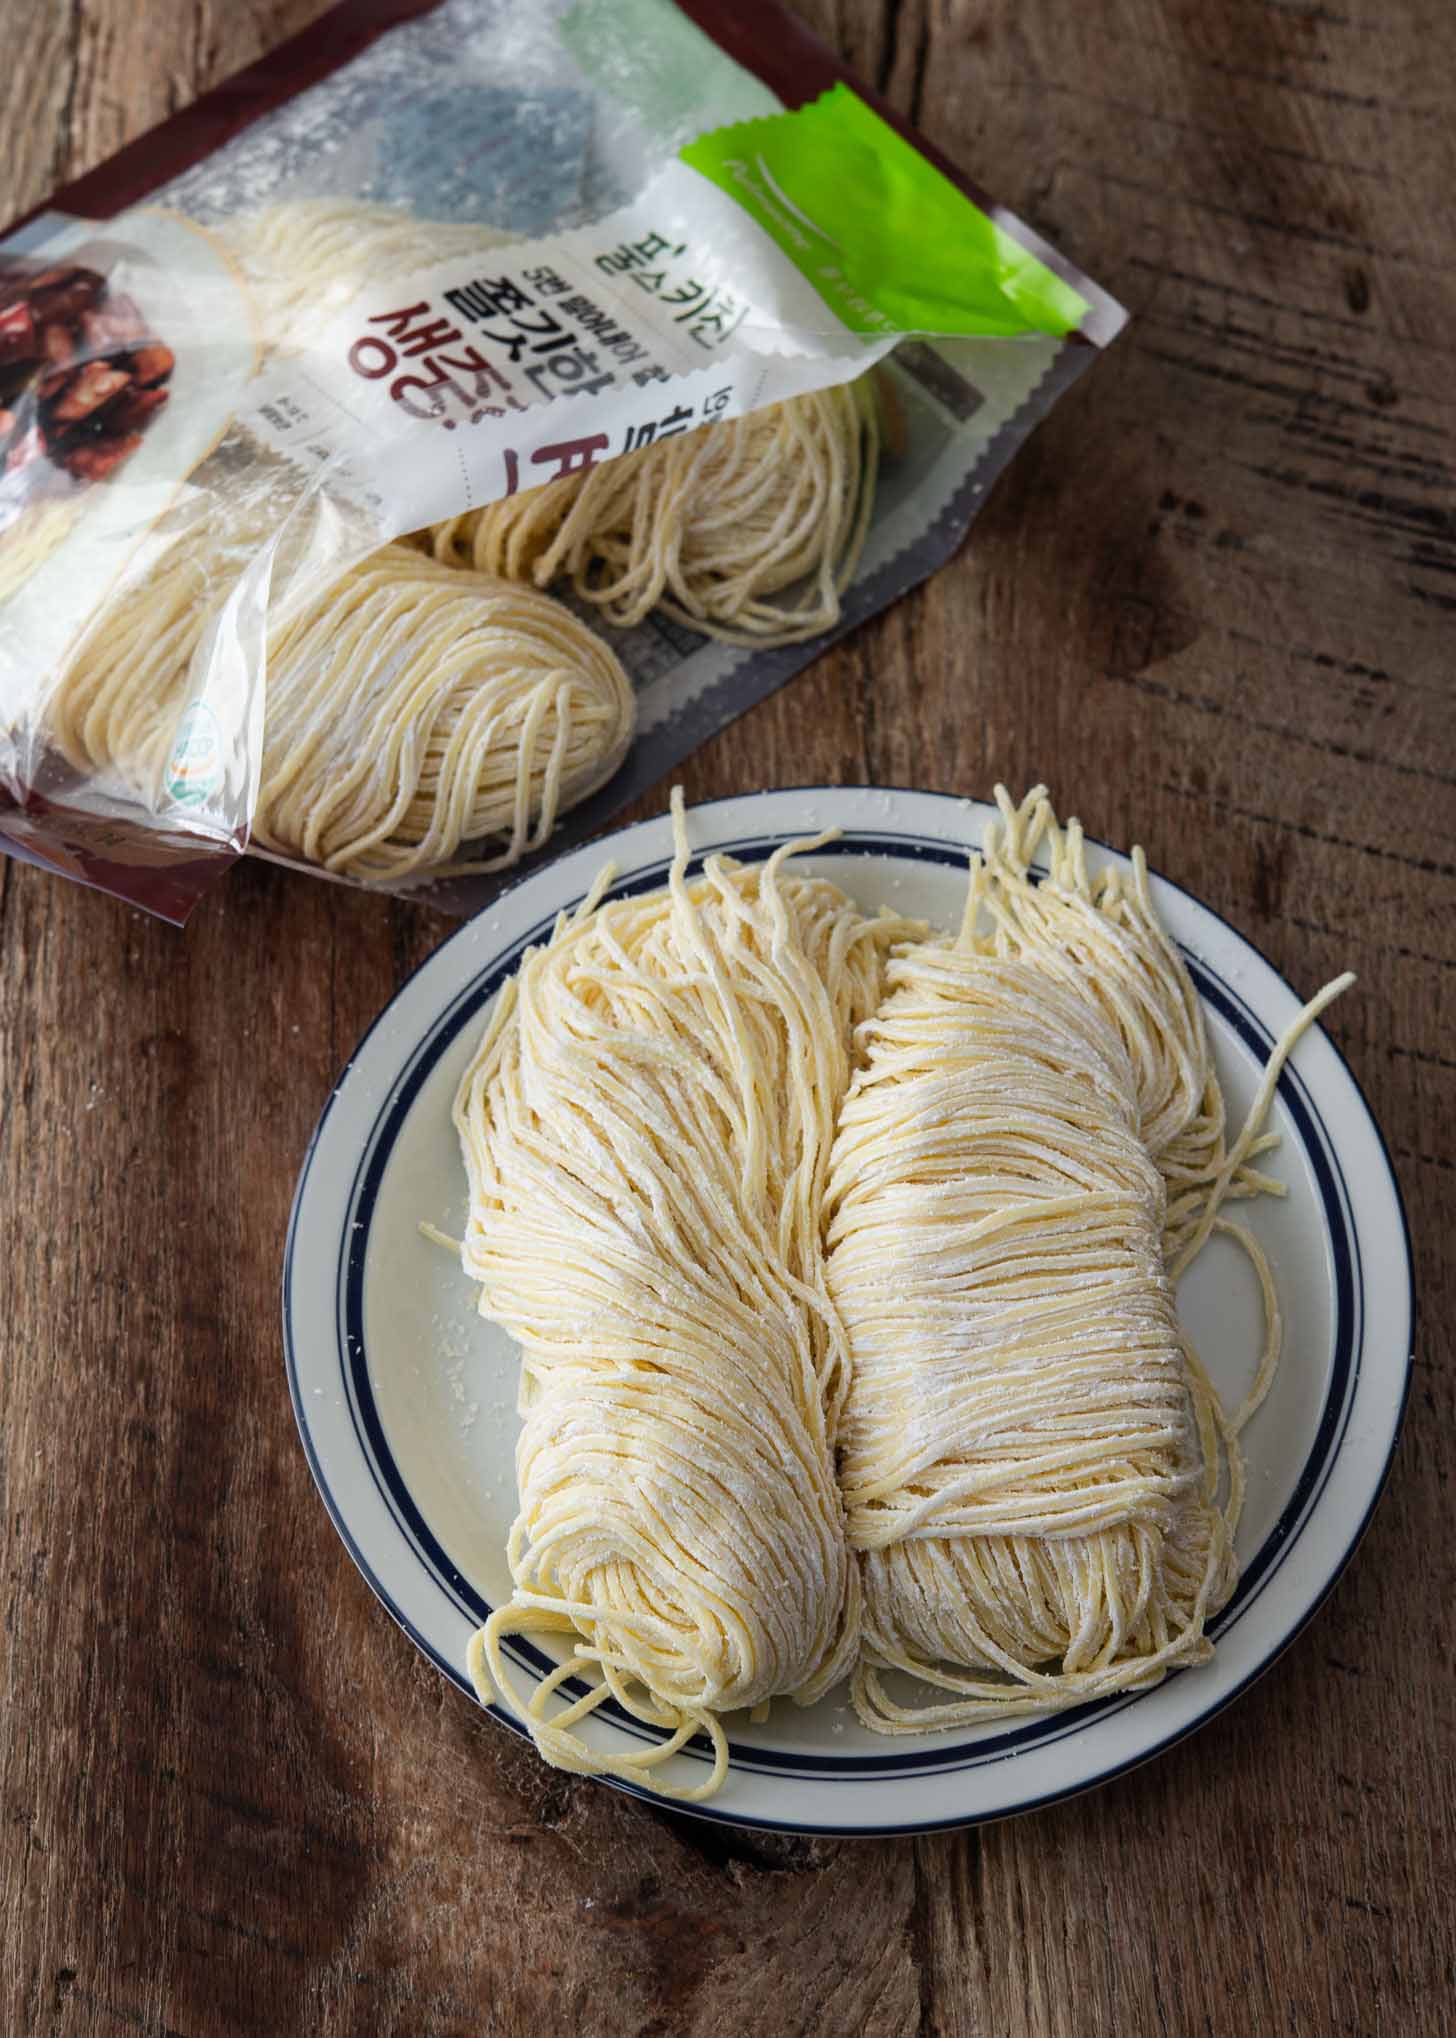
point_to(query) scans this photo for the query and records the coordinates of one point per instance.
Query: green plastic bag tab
(889, 243)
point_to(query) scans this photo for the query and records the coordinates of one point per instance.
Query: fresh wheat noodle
(748, 531)
(645, 1127)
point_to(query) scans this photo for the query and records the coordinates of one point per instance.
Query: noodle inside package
(518, 393)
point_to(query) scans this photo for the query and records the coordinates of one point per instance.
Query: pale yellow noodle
(306, 258)
(1029, 1468)
(645, 1128)
(748, 531)
(1039, 1476)
(410, 710)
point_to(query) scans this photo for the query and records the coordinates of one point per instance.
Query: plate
(406, 1400)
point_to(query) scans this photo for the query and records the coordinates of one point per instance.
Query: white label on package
(540, 359)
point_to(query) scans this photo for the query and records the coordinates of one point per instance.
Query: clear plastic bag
(439, 265)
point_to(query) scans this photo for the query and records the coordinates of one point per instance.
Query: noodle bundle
(748, 531)
(409, 709)
(646, 1127)
(1041, 1481)
(1030, 1466)
(413, 710)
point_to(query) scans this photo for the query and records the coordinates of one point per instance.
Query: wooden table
(1212, 602)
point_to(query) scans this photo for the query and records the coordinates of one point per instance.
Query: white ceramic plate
(406, 1400)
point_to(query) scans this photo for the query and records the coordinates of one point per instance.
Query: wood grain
(1212, 602)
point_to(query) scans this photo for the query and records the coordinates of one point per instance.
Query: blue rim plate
(405, 1399)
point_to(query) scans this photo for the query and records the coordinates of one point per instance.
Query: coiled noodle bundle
(1029, 1463)
(1041, 1480)
(748, 531)
(646, 1127)
(412, 709)
(409, 708)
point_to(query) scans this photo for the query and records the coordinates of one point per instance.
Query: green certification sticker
(195, 768)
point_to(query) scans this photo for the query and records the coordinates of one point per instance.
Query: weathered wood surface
(1214, 602)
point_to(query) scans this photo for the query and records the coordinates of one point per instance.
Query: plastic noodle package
(518, 393)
